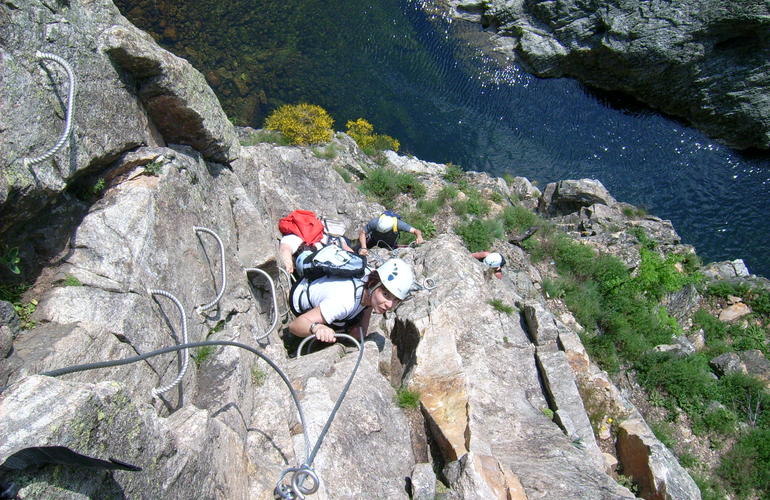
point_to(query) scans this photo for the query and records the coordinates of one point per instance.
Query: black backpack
(330, 260)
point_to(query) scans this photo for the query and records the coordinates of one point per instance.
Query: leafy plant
(385, 185)
(203, 354)
(500, 306)
(746, 468)
(453, 173)
(475, 234)
(328, 152)
(24, 312)
(98, 187)
(344, 174)
(154, 168)
(363, 133)
(11, 260)
(406, 398)
(70, 280)
(265, 136)
(258, 376)
(473, 204)
(547, 412)
(301, 124)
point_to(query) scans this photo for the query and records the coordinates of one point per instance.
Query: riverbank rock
(697, 60)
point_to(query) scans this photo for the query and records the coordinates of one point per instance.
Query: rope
(275, 302)
(183, 319)
(302, 473)
(206, 307)
(28, 162)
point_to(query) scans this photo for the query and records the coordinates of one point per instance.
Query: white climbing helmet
(386, 223)
(397, 276)
(494, 260)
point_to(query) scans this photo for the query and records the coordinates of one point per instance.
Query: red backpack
(304, 224)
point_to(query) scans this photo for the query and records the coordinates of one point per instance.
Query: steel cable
(28, 162)
(185, 361)
(206, 307)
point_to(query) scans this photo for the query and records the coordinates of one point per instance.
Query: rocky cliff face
(150, 132)
(706, 62)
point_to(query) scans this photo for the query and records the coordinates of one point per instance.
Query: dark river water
(420, 80)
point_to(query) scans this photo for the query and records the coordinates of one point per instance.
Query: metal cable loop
(337, 405)
(133, 359)
(275, 301)
(206, 307)
(282, 271)
(28, 162)
(185, 361)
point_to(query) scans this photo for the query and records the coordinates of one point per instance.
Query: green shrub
(509, 178)
(687, 380)
(385, 185)
(500, 306)
(430, 207)
(265, 136)
(301, 124)
(406, 398)
(344, 174)
(154, 168)
(98, 187)
(12, 292)
(664, 432)
(203, 354)
(712, 327)
(327, 152)
(474, 204)
(720, 420)
(447, 193)
(553, 288)
(453, 173)
(24, 311)
(746, 468)
(476, 234)
(496, 197)
(751, 337)
(363, 133)
(760, 302)
(747, 398)
(517, 218)
(422, 222)
(547, 412)
(641, 236)
(724, 289)
(688, 460)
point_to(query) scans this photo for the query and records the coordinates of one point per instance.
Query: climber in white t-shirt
(346, 304)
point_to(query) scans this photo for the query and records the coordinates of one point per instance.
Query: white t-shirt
(338, 298)
(294, 242)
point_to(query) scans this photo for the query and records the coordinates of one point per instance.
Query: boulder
(651, 465)
(9, 328)
(423, 482)
(734, 311)
(569, 196)
(727, 363)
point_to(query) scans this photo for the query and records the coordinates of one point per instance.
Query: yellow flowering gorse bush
(302, 124)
